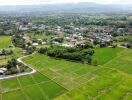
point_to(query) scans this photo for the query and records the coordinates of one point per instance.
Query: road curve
(20, 74)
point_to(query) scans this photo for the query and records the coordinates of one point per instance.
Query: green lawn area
(59, 79)
(5, 42)
(40, 36)
(103, 55)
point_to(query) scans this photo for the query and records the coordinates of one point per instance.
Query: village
(65, 50)
(64, 39)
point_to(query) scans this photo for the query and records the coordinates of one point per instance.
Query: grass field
(122, 62)
(65, 80)
(41, 36)
(31, 87)
(104, 55)
(5, 42)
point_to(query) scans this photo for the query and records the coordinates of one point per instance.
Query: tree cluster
(74, 54)
(14, 67)
(6, 52)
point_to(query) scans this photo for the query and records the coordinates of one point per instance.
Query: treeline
(74, 54)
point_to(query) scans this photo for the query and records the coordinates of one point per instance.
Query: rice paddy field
(64, 80)
(5, 42)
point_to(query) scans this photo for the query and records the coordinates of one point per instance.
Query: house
(35, 44)
(73, 41)
(2, 70)
(44, 43)
(23, 28)
(67, 45)
(54, 42)
(67, 38)
(58, 28)
(27, 39)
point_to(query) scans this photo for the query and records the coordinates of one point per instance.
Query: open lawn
(5, 42)
(65, 80)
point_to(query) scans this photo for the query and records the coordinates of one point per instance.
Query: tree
(88, 59)
(11, 64)
(30, 49)
(42, 50)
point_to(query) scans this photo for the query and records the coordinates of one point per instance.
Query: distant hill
(79, 7)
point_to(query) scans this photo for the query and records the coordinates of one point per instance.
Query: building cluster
(75, 39)
(2, 71)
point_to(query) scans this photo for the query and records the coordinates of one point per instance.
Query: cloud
(30, 2)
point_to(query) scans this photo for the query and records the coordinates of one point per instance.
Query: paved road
(20, 74)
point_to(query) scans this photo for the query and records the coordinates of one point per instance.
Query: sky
(31, 2)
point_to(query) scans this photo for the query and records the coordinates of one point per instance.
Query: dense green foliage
(18, 41)
(76, 54)
(6, 52)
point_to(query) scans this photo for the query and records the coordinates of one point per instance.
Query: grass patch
(123, 62)
(103, 55)
(5, 42)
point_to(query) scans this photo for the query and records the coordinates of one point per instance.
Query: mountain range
(69, 7)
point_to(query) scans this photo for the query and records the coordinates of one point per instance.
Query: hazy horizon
(37, 2)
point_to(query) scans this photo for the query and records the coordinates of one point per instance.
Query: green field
(123, 62)
(5, 42)
(104, 55)
(35, 87)
(40, 36)
(65, 80)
